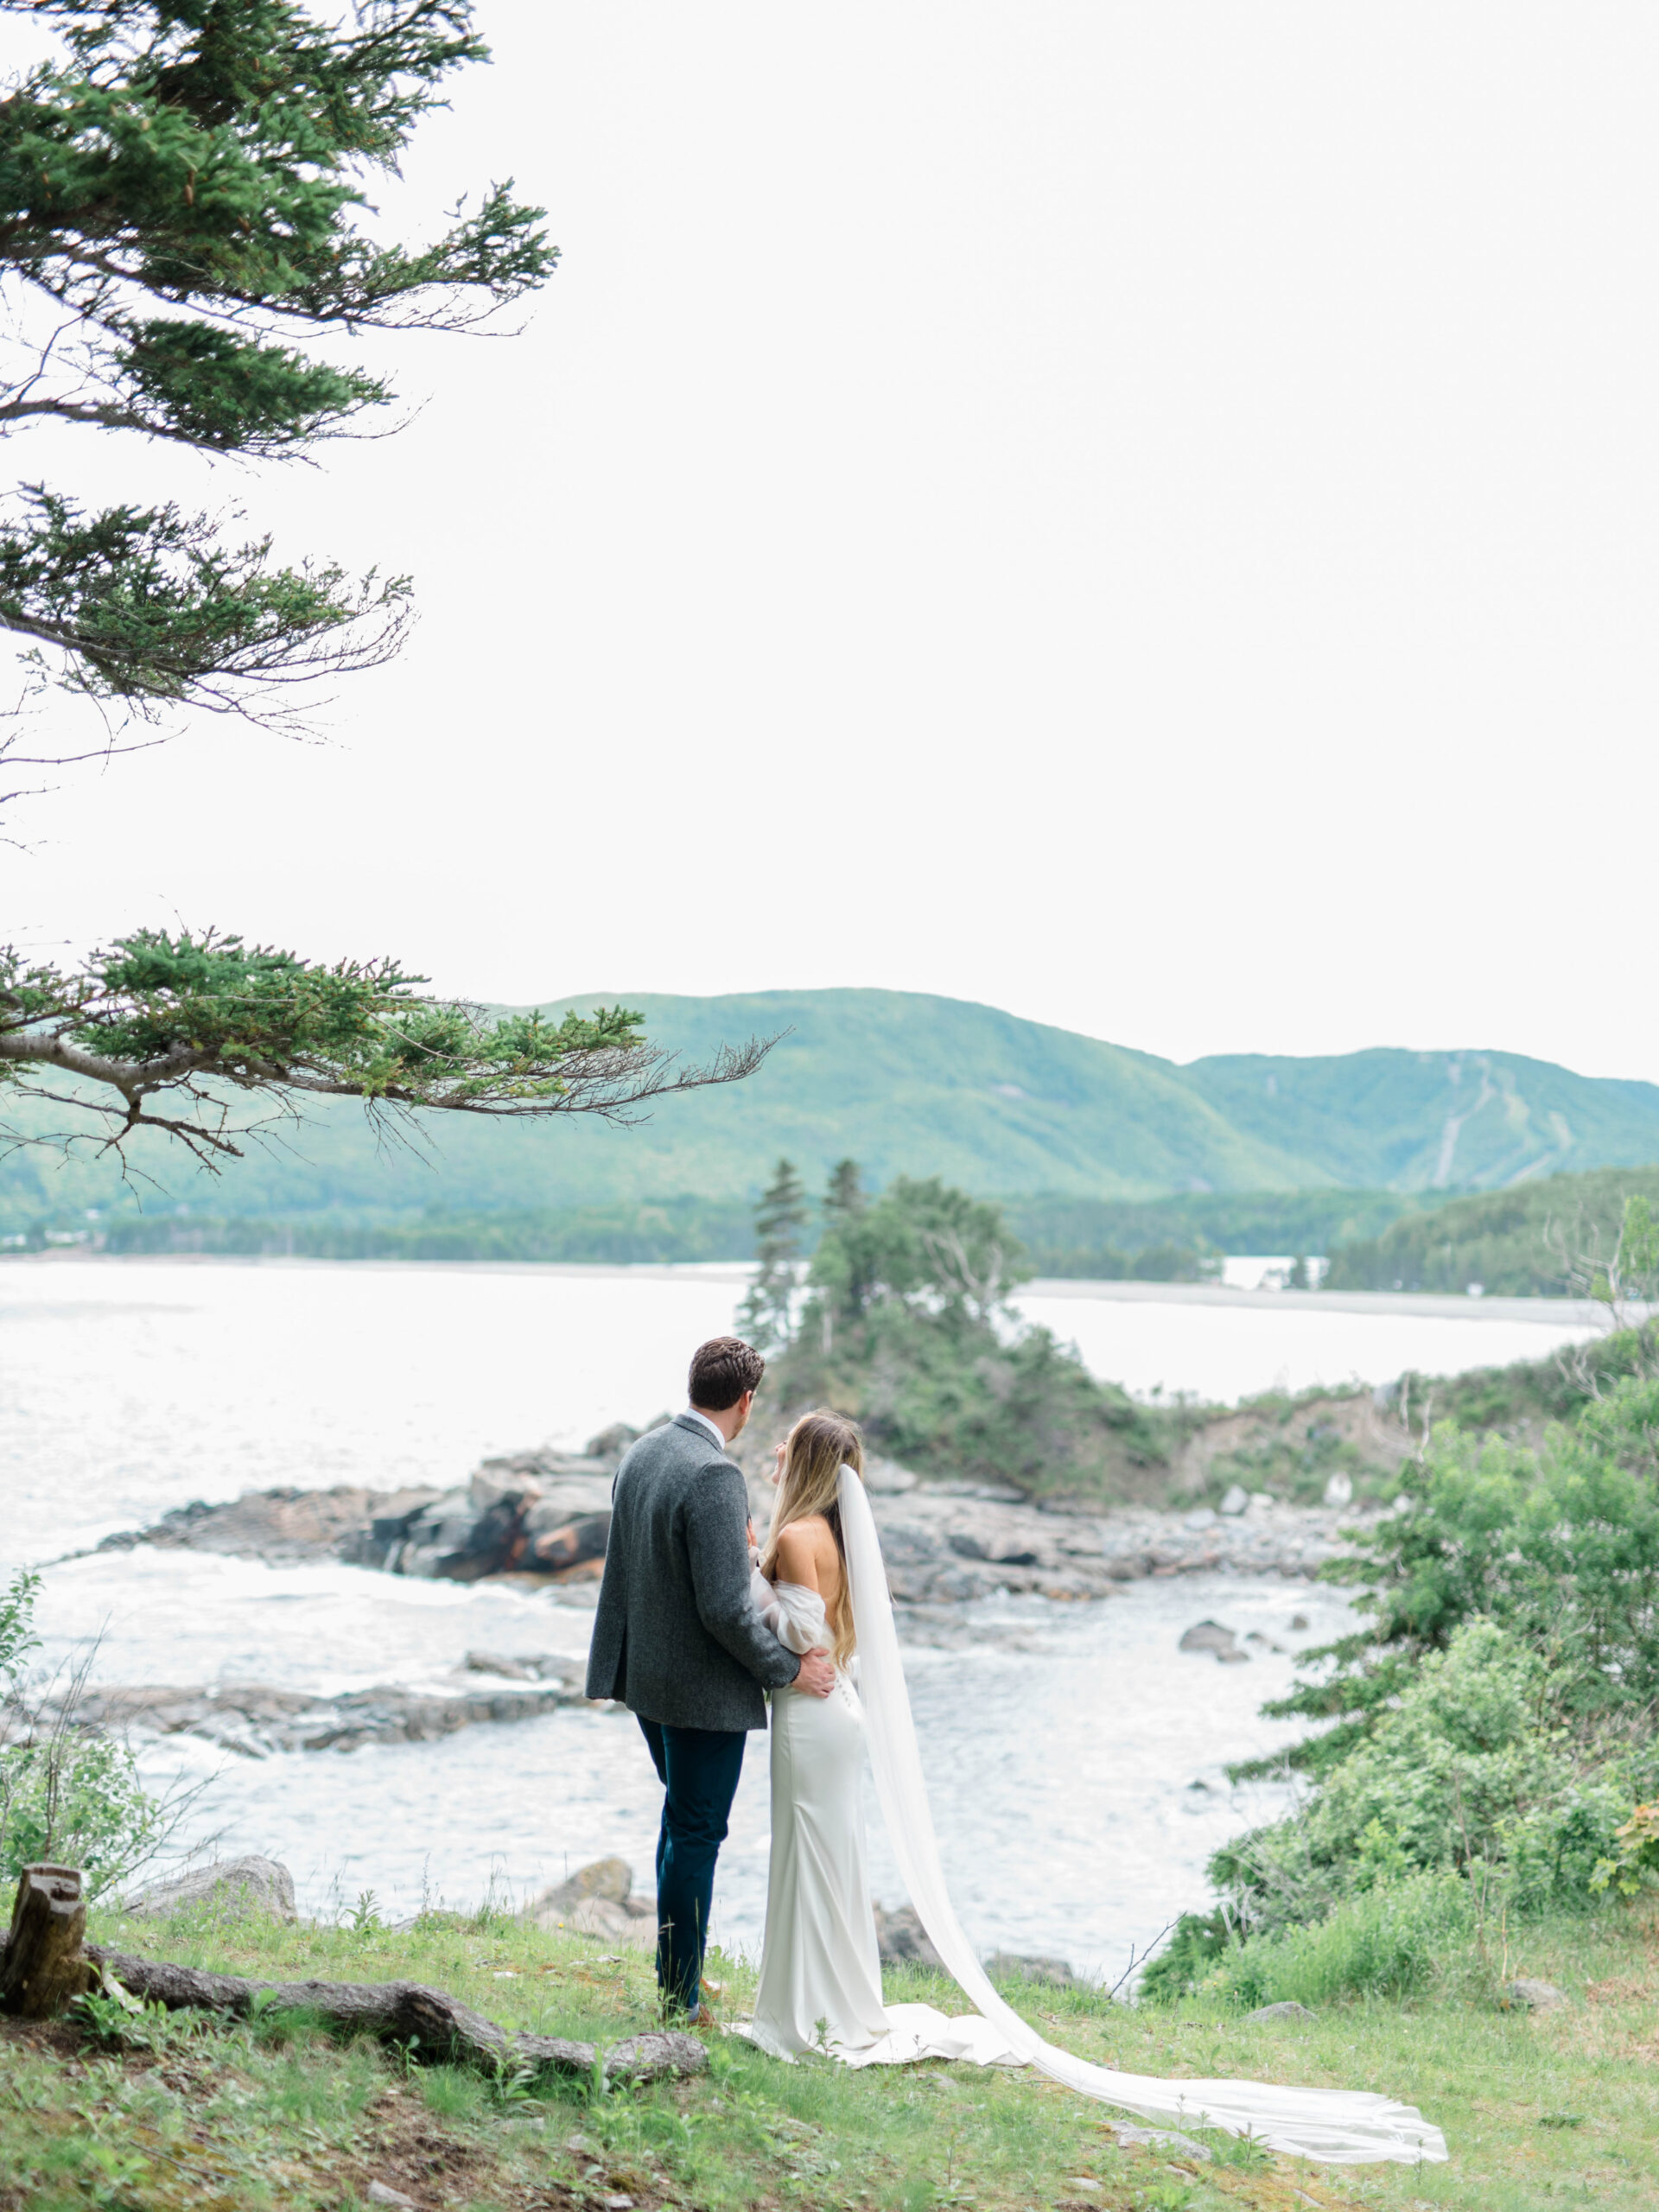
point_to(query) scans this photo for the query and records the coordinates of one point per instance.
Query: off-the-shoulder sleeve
(793, 1613)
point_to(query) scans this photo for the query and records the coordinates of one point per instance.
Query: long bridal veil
(1340, 2126)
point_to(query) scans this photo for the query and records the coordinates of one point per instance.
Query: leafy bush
(1467, 1774)
(17, 1637)
(67, 1794)
(1560, 1547)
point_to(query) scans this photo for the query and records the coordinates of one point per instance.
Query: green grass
(1541, 2112)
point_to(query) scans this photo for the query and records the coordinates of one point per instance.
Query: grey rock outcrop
(252, 1720)
(539, 1667)
(237, 1888)
(598, 1900)
(1019, 1966)
(902, 1939)
(1212, 1637)
(547, 1514)
(1287, 2009)
(1158, 2138)
(1528, 1996)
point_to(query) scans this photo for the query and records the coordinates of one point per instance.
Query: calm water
(1062, 1743)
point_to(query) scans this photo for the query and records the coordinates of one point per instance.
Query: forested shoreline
(1533, 1240)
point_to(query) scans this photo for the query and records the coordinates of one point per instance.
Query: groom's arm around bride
(678, 1639)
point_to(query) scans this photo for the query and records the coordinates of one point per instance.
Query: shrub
(1466, 1776)
(67, 1794)
(1560, 1549)
(1394, 1938)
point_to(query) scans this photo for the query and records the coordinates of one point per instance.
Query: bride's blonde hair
(819, 1446)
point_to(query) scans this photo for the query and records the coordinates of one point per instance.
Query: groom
(678, 1639)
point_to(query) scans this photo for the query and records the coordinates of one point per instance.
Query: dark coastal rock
(540, 1667)
(546, 1514)
(254, 1721)
(1210, 1636)
(281, 1525)
(235, 1890)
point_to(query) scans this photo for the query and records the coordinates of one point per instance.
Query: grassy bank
(1540, 2111)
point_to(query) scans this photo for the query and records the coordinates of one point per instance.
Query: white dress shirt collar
(693, 1414)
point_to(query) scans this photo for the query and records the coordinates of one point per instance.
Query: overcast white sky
(1144, 515)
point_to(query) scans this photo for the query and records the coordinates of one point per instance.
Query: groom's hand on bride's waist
(817, 1674)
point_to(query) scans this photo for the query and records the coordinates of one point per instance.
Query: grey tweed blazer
(676, 1636)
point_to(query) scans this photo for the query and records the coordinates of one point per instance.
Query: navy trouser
(698, 1769)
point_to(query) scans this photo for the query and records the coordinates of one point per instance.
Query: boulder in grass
(599, 1900)
(1287, 2009)
(1017, 1966)
(234, 1888)
(902, 1939)
(1528, 1996)
(1158, 2138)
(610, 1878)
(633, 1925)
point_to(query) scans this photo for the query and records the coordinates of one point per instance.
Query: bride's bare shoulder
(801, 1549)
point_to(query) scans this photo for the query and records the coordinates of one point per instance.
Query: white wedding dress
(820, 1985)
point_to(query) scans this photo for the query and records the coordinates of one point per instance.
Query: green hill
(907, 1083)
(1431, 1121)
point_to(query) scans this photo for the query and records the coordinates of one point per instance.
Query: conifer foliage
(182, 197)
(780, 1220)
(184, 220)
(178, 1033)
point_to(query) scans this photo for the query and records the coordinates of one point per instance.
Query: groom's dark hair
(722, 1370)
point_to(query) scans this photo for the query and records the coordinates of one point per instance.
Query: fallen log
(44, 1962)
(42, 1965)
(427, 2020)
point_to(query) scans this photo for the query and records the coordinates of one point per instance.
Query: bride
(820, 1584)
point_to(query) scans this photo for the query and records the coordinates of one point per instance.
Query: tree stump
(43, 1966)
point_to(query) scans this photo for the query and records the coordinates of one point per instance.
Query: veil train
(1338, 2126)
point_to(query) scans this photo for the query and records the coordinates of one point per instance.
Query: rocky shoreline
(545, 1516)
(254, 1720)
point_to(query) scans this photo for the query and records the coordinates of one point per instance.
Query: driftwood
(406, 2012)
(42, 1965)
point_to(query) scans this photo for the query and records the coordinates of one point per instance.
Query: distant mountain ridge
(1401, 1120)
(907, 1083)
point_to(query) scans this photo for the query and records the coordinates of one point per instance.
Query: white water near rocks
(130, 1386)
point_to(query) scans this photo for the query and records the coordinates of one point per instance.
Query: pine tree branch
(196, 1023)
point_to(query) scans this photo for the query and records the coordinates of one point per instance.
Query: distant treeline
(1510, 1241)
(1160, 1240)
(1169, 1240)
(676, 1228)
(1521, 1242)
